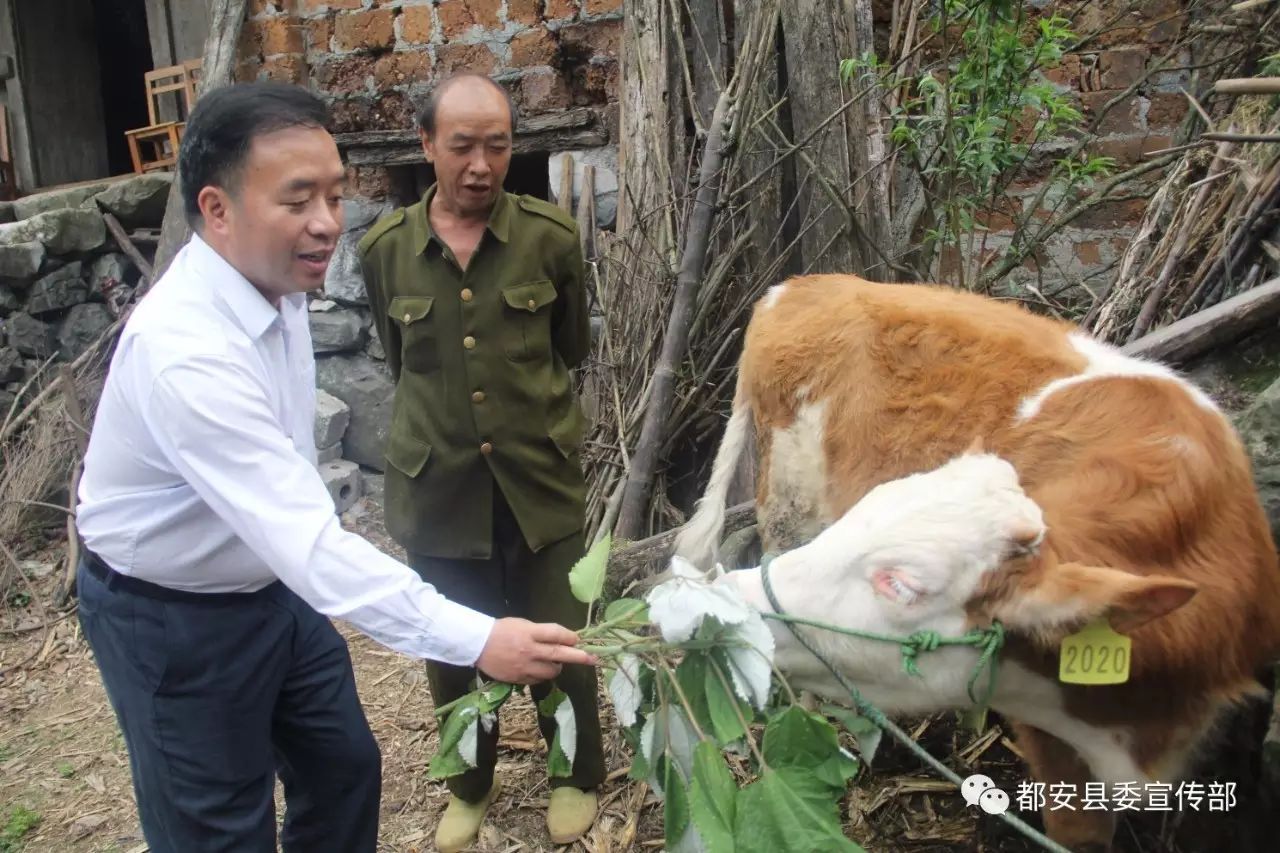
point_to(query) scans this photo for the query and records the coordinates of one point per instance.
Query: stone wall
(64, 279)
(62, 275)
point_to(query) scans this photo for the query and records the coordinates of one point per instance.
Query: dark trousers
(515, 581)
(216, 695)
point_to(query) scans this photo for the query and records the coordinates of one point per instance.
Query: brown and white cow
(863, 398)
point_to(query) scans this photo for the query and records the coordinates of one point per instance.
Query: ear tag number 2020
(1096, 654)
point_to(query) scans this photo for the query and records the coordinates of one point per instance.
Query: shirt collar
(499, 223)
(248, 306)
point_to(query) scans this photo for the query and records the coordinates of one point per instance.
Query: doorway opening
(124, 55)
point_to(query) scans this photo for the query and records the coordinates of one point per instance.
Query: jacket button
(407, 316)
(469, 342)
(477, 396)
(532, 305)
(466, 294)
(486, 448)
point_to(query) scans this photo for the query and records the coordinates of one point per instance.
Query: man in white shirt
(213, 553)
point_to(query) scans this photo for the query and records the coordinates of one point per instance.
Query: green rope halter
(990, 640)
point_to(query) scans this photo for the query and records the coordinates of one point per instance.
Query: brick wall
(1136, 38)
(375, 60)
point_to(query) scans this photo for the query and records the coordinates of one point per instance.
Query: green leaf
(627, 609)
(721, 699)
(866, 733)
(448, 760)
(548, 704)
(586, 578)
(712, 798)
(493, 695)
(691, 675)
(557, 762)
(675, 796)
(799, 740)
(788, 810)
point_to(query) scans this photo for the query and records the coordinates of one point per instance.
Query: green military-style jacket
(481, 362)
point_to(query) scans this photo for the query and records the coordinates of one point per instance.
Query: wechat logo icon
(980, 791)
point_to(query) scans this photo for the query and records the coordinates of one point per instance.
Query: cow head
(918, 554)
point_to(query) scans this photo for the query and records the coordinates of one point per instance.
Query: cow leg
(1052, 761)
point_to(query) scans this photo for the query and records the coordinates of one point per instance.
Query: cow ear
(1127, 600)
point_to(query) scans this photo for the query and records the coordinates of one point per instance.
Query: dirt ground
(64, 776)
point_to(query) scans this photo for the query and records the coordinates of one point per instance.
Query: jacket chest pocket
(526, 326)
(419, 350)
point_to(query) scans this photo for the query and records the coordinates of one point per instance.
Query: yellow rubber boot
(570, 814)
(461, 821)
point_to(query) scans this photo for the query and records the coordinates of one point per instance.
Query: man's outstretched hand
(524, 652)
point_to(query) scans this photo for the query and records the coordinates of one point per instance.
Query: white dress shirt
(200, 473)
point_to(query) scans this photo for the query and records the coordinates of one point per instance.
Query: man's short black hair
(427, 116)
(223, 125)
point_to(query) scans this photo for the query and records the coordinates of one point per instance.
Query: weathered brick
(594, 82)
(458, 16)
(248, 44)
(1067, 73)
(1088, 252)
(1167, 109)
(1101, 18)
(1112, 214)
(391, 111)
(286, 69)
(1121, 68)
(345, 75)
(451, 58)
(1002, 216)
(247, 69)
(319, 32)
(368, 182)
(349, 114)
(560, 9)
(264, 7)
(1162, 20)
(402, 68)
(371, 29)
(277, 35)
(533, 48)
(415, 24)
(1124, 117)
(317, 5)
(601, 7)
(596, 38)
(527, 12)
(543, 91)
(1129, 150)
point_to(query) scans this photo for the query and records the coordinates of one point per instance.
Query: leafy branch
(690, 673)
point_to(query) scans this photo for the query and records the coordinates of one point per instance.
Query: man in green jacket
(479, 300)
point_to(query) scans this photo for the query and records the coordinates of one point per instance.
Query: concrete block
(331, 453)
(343, 481)
(332, 418)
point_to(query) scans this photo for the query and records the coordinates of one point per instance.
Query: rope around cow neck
(990, 640)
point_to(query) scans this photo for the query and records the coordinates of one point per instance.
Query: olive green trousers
(515, 581)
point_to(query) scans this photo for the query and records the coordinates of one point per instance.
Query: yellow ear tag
(1096, 654)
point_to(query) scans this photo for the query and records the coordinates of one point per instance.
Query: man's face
(281, 221)
(471, 147)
